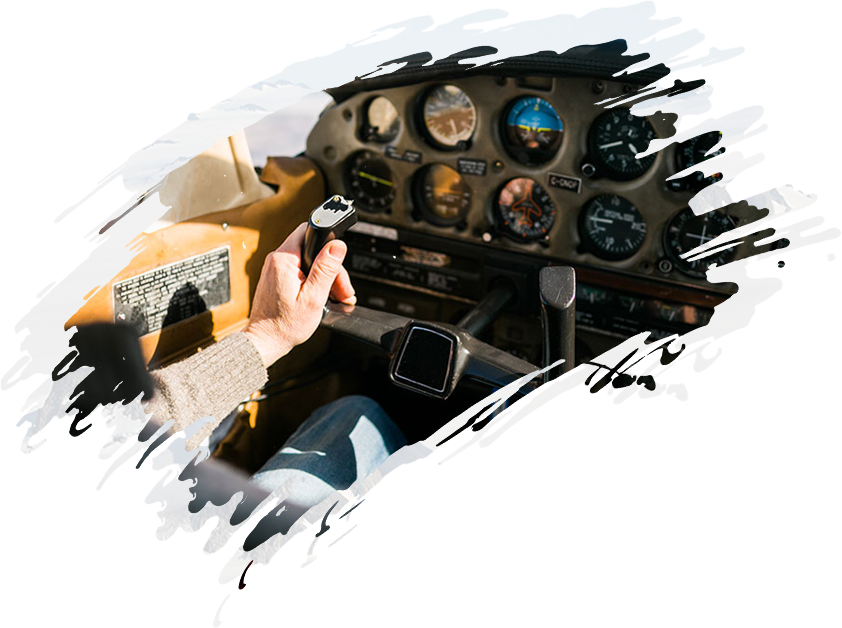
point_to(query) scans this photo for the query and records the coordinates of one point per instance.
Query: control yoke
(431, 358)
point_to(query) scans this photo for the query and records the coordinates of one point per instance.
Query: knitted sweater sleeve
(209, 383)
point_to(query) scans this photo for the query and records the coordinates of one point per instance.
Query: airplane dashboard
(468, 182)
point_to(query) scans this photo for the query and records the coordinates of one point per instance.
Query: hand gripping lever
(328, 221)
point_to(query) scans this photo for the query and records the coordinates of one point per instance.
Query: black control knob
(327, 222)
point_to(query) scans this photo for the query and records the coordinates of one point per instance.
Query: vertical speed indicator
(611, 227)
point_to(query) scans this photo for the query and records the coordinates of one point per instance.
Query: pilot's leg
(339, 443)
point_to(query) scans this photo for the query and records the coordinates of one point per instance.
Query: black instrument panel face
(543, 172)
(614, 140)
(369, 181)
(611, 227)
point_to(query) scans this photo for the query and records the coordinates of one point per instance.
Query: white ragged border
(440, 481)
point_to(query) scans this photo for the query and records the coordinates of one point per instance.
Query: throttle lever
(327, 222)
(557, 286)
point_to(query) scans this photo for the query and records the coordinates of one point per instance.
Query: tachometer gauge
(525, 210)
(693, 152)
(382, 121)
(611, 227)
(370, 182)
(444, 195)
(450, 117)
(533, 130)
(614, 140)
(685, 231)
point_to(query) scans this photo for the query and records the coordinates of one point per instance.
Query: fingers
(326, 267)
(342, 290)
(294, 241)
(339, 287)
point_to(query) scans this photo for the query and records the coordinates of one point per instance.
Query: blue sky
(715, 36)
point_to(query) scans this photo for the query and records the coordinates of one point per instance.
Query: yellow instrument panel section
(214, 259)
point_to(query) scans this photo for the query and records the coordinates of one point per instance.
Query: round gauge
(450, 117)
(694, 151)
(382, 121)
(445, 196)
(370, 182)
(685, 231)
(611, 227)
(614, 140)
(533, 130)
(525, 210)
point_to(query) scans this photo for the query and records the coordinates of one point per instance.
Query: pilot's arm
(286, 311)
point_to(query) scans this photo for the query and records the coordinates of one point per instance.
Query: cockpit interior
(469, 182)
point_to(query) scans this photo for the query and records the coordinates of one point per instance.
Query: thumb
(323, 272)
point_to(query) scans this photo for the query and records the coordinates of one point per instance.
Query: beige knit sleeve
(209, 383)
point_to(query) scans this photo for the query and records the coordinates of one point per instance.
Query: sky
(716, 36)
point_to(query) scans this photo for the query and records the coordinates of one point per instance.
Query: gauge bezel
(358, 202)
(366, 122)
(420, 203)
(601, 165)
(590, 245)
(530, 157)
(334, 138)
(499, 220)
(421, 122)
(683, 265)
(699, 181)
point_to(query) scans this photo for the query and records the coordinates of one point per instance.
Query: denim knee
(354, 406)
(340, 417)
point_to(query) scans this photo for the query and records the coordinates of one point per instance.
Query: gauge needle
(371, 177)
(605, 220)
(453, 126)
(701, 238)
(611, 145)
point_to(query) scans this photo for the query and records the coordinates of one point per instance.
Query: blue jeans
(338, 444)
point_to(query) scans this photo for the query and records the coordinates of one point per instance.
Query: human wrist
(269, 348)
